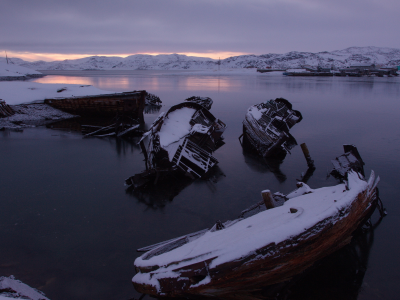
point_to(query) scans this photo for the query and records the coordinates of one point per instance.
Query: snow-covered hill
(15, 71)
(294, 59)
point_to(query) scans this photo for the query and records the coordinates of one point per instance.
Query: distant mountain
(294, 59)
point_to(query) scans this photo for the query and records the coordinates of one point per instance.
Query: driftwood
(99, 130)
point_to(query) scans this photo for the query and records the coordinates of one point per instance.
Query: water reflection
(265, 165)
(136, 80)
(152, 109)
(124, 146)
(338, 276)
(163, 189)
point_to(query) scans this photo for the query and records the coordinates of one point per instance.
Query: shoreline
(21, 78)
(33, 115)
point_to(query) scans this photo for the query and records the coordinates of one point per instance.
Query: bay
(69, 227)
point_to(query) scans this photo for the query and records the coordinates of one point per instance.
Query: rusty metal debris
(266, 127)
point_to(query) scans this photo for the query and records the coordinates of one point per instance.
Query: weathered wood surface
(273, 263)
(131, 103)
(5, 109)
(266, 127)
(350, 160)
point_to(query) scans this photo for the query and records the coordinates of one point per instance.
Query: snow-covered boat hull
(267, 248)
(182, 139)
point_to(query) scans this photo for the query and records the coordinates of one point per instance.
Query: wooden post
(268, 199)
(306, 153)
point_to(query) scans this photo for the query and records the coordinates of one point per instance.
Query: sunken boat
(183, 140)
(272, 241)
(266, 128)
(105, 105)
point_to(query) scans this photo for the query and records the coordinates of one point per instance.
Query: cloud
(181, 26)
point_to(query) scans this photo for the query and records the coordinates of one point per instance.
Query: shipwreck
(266, 128)
(268, 243)
(181, 140)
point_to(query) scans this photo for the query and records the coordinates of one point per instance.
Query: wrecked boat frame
(183, 139)
(270, 242)
(266, 127)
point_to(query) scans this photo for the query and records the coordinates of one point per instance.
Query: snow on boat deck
(176, 126)
(244, 237)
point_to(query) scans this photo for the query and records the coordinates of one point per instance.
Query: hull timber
(270, 264)
(128, 103)
(266, 127)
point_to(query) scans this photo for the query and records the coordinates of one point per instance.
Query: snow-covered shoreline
(11, 288)
(32, 115)
(17, 92)
(26, 100)
(9, 72)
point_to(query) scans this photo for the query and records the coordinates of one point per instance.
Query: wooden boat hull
(129, 103)
(271, 264)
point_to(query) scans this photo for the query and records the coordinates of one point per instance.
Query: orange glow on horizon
(29, 56)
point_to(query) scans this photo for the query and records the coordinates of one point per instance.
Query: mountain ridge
(386, 57)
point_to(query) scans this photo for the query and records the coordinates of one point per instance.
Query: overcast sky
(214, 27)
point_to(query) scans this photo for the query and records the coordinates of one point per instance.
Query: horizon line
(50, 57)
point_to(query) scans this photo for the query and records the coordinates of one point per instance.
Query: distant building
(363, 67)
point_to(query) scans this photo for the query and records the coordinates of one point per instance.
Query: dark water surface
(69, 227)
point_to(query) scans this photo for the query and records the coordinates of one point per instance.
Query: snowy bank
(15, 72)
(24, 98)
(14, 93)
(10, 288)
(31, 115)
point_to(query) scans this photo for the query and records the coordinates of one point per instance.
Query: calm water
(69, 227)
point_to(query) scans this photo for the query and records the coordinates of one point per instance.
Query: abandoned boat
(153, 100)
(266, 127)
(206, 102)
(268, 244)
(183, 139)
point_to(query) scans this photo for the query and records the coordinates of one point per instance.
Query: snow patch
(176, 126)
(20, 92)
(16, 289)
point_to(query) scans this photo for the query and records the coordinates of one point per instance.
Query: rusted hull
(274, 263)
(130, 103)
